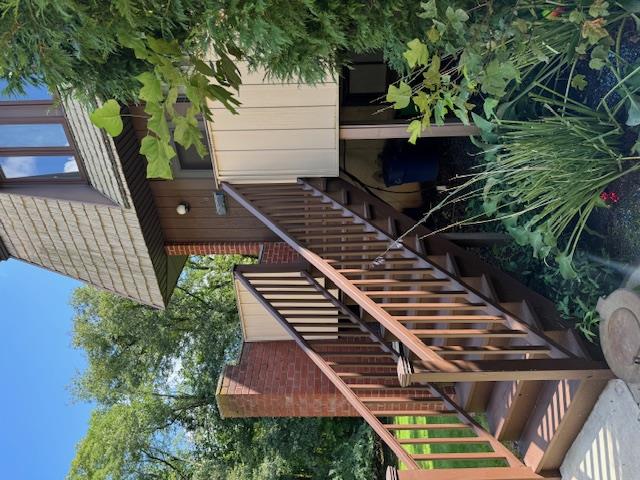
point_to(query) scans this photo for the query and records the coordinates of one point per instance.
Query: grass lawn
(444, 448)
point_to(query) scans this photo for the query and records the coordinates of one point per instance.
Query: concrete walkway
(608, 447)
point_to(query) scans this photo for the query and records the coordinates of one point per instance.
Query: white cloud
(18, 167)
(70, 166)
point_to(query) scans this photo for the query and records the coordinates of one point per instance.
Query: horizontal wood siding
(203, 223)
(258, 325)
(282, 131)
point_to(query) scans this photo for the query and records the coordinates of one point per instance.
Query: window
(35, 143)
(190, 159)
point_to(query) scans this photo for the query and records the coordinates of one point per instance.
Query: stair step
(365, 375)
(335, 334)
(386, 271)
(362, 235)
(467, 333)
(432, 306)
(450, 318)
(399, 399)
(350, 227)
(334, 221)
(391, 261)
(456, 456)
(443, 441)
(402, 283)
(428, 426)
(375, 386)
(380, 354)
(415, 293)
(324, 324)
(324, 343)
(416, 413)
(490, 350)
(361, 243)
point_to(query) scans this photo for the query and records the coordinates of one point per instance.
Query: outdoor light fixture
(221, 204)
(183, 208)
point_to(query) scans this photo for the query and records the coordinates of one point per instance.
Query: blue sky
(40, 424)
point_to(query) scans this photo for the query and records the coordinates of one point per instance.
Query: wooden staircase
(453, 326)
(370, 383)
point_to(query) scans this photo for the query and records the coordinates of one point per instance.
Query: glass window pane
(34, 135)
(191, 160)
(50, 167)
(32, 92)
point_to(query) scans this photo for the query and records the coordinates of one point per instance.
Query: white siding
(258, 325)
(283, 131)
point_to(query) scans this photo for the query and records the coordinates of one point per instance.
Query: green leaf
(433, 34)
(135, 43)
(108, 117)
(432, 76)
(439, 111)
(456, 16)
(577, 17)
(633, 115)
(157, 122)
(579, 82)
(224, 96)
(160, 45)
(599, 8)
(519, 234)
(593, 30)
(429, 9)
(399, 96)
(596, 63)
(203, 68)
(418, 54)
(490, 205)
(496, 77)
(489, 106)
(422, 101)
(414, 128)
(486, 128)
(188, 134)
(635, 149)
(151, 90)
(159, 155)
(565, 266)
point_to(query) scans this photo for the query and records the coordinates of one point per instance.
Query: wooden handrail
(351, 397)
(556, 349)
(403, 334)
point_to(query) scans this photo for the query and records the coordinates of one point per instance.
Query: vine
(174, 72)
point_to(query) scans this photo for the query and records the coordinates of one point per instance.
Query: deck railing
(456, 332)
(361, 365)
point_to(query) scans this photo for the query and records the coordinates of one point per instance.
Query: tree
(153, 376)
(123, 51)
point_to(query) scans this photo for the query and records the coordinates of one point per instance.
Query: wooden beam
(489, 473)
(383, 131)
(532, 369)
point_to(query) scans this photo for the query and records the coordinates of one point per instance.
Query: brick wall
(214, 248)
(270, 252)
(277, 379)
(279, 252)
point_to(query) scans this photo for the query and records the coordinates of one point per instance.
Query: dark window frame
(34, 112)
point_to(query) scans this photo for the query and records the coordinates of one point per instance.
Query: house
(338, 318)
